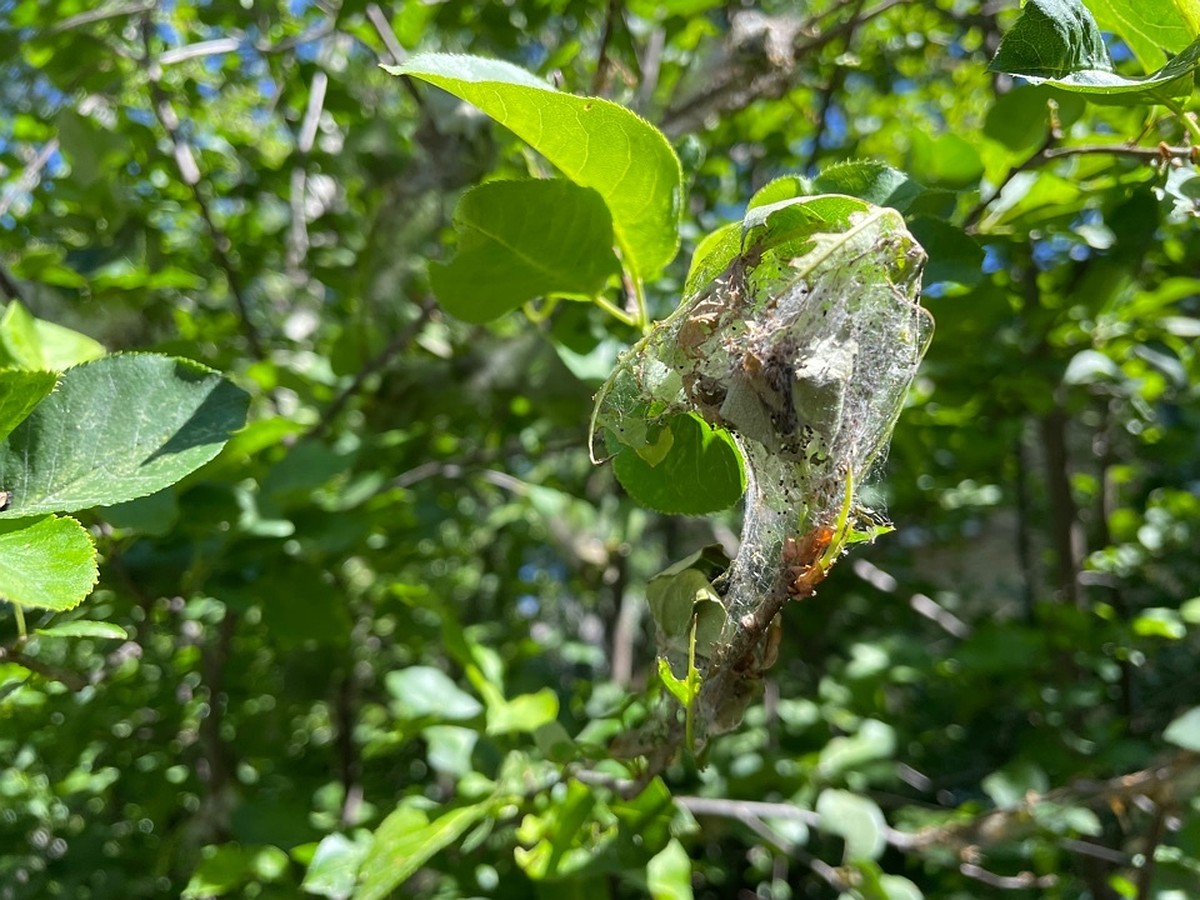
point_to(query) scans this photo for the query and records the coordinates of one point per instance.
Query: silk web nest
(800, 336)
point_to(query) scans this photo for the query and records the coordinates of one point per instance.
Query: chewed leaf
(700, 473)
(594, 142)
(525, 239)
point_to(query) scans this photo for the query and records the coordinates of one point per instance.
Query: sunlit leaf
(519, 240)
(48, 562)
(117, 428)
(594, 142)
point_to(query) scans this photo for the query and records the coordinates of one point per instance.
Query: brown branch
(1145, 879)
(9, 286)
(603, 64)
(189, 172)
(1162, 154)
(379, 362)
(73, 680)
(739, 85)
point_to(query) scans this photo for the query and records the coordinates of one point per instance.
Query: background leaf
(519, 240)
(404, 842)
(594, 142)
(48, 563)
(117, 428)
(82, 628)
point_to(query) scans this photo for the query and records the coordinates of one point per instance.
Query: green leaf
(594, 142)
(669, 873)
(1058, 42)
(1148, 26)
(1160, 622)
(954, 255)
(222, 870)
(27, 342)
(1051, 40)
(701, 473)
(1184, 731)
(525, 239)
(948, 160)
(334, 867)
(117, 428)
(85, 629)
(870, 180)
(20, 392)
(874, 740)
(49, 563)
(523, 713)
(421, 691)
(856, 819)
(405, 841)
(713, 254)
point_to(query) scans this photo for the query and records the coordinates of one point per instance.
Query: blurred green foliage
(403, 599)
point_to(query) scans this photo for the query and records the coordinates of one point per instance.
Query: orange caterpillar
(802, 557)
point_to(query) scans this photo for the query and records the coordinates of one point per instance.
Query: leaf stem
(538, 314)
(612, 309)
(23, 634)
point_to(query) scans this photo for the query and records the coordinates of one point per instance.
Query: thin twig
(298, 235)
(29, 175)
(199, 49)
(380, 361)
(99, 15)
(603, 64)
(73, 680)
(189, 171)
(920, 603)
(1021, 882)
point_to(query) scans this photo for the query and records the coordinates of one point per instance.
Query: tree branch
(189, 172)
(379, 362)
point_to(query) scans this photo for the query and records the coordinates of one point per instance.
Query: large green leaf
(117, 428)
(49, 563)
(405, 841)
(1149, 26)
(20, 392)
(1052, 39)
(524, 239)
(1058, 42)
(594, 142)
